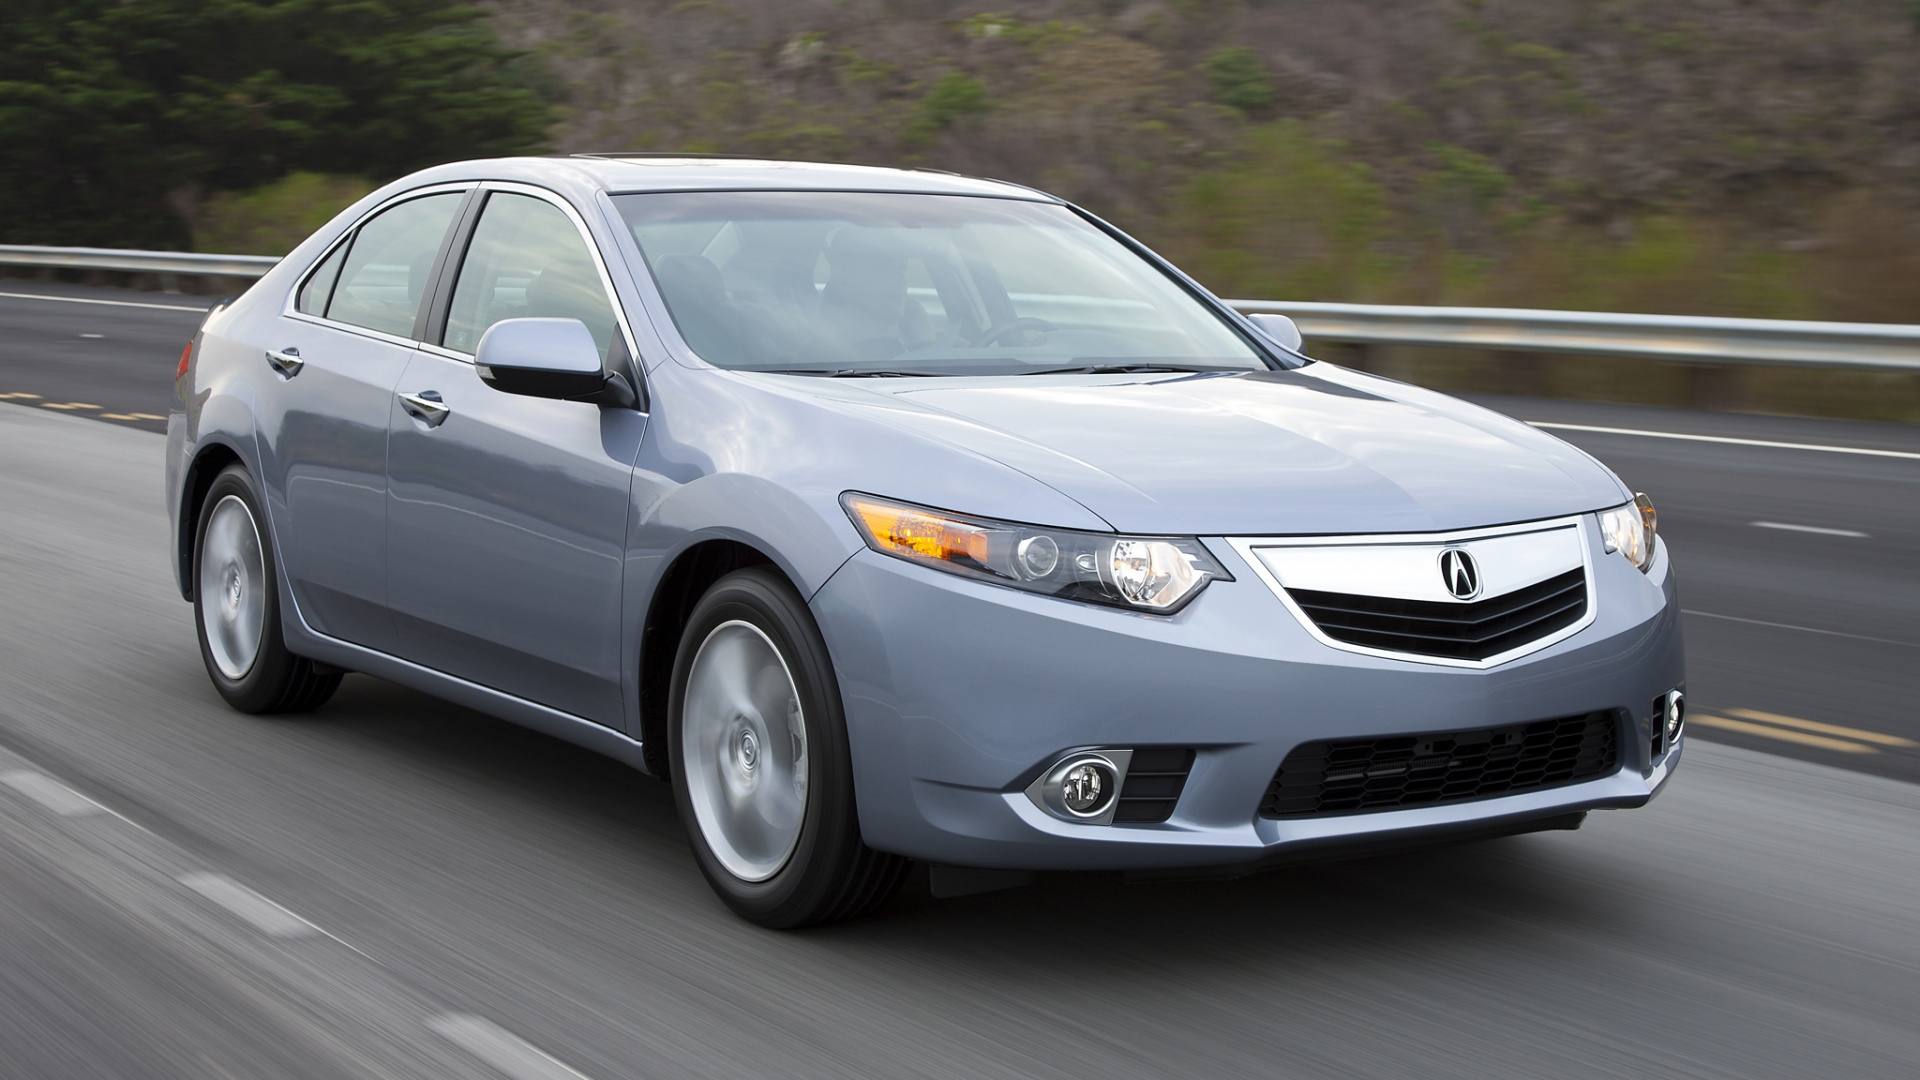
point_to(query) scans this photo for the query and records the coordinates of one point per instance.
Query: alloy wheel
(744, 750)
(232, 587)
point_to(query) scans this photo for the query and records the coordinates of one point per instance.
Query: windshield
(849, 283)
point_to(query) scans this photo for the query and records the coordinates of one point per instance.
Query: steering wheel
(993, 335)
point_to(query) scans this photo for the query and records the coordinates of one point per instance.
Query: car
(902, 517)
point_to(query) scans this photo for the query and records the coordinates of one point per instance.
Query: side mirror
(548, 358)
(1280, 328)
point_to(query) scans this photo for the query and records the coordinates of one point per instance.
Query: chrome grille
(1473, 631)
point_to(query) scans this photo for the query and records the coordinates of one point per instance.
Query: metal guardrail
(1871, 346)
(149, 262)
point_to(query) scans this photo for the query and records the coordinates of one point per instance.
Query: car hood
(1319, 450)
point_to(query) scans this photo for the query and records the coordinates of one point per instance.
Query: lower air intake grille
(1155, 779)
(1355, 775)
(1457, 631)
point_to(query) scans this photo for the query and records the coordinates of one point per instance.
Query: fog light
(1676, 714)
(1083, 788)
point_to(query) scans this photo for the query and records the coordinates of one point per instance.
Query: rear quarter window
(384, 277)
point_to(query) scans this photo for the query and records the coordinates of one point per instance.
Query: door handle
(287, 362)
(425, 407)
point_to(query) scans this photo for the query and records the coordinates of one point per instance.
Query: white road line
(50, 793)
(109, 303)
(1802, 629)
(1809, 529)
(502, 1049)
(266, 916)
(1723, 439)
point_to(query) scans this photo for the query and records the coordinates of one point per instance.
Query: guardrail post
(1358, 355)
(1715, 387)
(1525, 372)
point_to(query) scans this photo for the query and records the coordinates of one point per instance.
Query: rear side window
(319, 287)
(384, 277)
(527, 260)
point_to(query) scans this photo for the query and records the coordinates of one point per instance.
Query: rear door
(507, 519)
(331, 366)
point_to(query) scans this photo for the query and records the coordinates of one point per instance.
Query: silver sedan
(901, 516)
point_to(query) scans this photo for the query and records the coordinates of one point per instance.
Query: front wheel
(236, 606)
(761, 769)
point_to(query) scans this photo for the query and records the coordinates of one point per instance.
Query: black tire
(830, 874)
(276, 681)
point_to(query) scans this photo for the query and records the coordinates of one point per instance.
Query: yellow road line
(19, 396)
(130, 416)
(1826, 729)
(1783, 734)
(67, 405)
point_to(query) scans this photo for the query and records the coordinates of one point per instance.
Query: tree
(116, 115)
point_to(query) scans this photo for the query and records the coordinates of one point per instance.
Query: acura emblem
(1458, 572)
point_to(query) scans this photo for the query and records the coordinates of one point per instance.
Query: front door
(507, 515)
(327, 378)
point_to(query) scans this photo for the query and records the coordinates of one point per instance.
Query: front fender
(805, 543)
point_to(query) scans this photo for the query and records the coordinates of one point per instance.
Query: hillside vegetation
(1744, 157)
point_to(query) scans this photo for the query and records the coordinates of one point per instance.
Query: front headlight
(1629, 530)
(1146, 573)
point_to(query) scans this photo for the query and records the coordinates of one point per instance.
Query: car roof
(647, 172)
(619, 174)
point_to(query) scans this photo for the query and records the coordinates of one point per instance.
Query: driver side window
(526, 260)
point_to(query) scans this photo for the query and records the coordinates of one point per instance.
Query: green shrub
(955, 98)
(1236, 77)
(271, 219)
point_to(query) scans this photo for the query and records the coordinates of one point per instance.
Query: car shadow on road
(1411, 906)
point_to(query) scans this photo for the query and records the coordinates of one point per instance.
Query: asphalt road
(105, 353)
(396, 887)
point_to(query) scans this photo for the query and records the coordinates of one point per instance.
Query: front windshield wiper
(1127, 369)
(851, 373)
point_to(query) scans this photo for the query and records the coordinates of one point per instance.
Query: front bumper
(958, 694)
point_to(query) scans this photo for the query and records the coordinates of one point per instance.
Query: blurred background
(1716, 157)
(401, 887)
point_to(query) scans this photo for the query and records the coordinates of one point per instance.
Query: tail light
(186, 354)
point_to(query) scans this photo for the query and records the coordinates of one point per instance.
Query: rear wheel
(761, 769)
(236, 606)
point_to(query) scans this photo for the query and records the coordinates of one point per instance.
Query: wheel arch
(208, 462)
(681, 586)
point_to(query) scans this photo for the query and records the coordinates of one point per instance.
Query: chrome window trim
(287, 307)
(444, 353)
(359, 331)
(1248, 546)
(593, 249)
